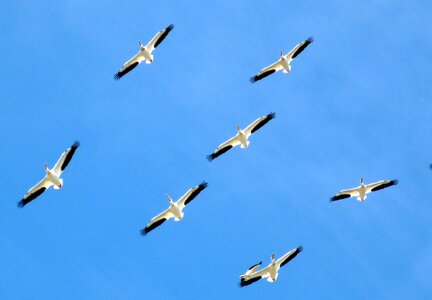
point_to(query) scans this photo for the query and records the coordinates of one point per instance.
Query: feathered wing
(158, 38)
(277, 66)
(35, 192)
(258, 123)
(129, 65)
(298, 49)
(191, 194)
(224, 147)
(289, 256)
(254, 277)
(157, 221)
(376, 186)
(65, 158)
(345, 194)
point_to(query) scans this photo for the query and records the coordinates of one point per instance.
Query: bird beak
(361, 180)
(238, 128)
(273, 256)
(281, 53)
(169, 198)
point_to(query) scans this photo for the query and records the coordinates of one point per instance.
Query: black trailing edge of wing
(120, 74)
(269, 117)
(195, 193)
(261, 76)
(339, 197)
(218, 153)
(244, 282)
(302, 47)
(151, 227)
(384, 185)
(291, 257)
(68, 158)
(33, 196)
(164, 35)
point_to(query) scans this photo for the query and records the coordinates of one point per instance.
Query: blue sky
(356, 104)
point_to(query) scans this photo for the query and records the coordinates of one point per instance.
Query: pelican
(175, 210)
(271, 271)
(242, 136)
(361, 191)
(52, 177)
(284, 63)
(145, 53)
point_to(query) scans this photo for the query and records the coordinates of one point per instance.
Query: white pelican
(145, 53)
(176, 208)
(242, 136)
(271, 271)
(52, 176)
(284, 63)
(361, 191)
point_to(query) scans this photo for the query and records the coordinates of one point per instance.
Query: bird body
(52, 176)
(271, 272)
(362, 190)
(242, 136)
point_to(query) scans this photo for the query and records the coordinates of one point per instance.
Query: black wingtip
(20, 204)
(76, 144)
(143, 232)
(253, 79)
(171, 27)
(300, 248)
(210, 157)
(395, 181)
(271, 115)
(203, 184)
(117, 76)
(310, 40)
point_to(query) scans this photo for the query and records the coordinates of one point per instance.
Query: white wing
(158, 38)
(277, 66)
(258, 123)
(190, 195)
(129, 65)
(35, 191)
(157, 221)
(346, 194)
(224, 147)
(376, 186)
(298, 49)
(288, 257)
(65, 159)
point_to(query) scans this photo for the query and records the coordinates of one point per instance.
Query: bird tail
(149, 61)
(56, 187)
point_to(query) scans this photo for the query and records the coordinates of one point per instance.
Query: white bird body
(284, 62)
(175, 210)
(52, 176)
(271, 272)
(363, 189)
(242, 136)
(145, 53)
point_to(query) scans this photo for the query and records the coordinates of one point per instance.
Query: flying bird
(242, 136)
(361, 191)
(271, 271)
(284, 63)
(175, 210)
(145, 53)
(52, 177)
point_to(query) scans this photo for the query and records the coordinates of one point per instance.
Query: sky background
(356, 104)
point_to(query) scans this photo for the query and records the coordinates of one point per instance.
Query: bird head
(273, 258)
(141, 45)
(169, 198)
(361, 180)
(238, 129)
(46, 167)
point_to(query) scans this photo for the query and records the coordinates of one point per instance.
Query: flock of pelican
(175, 210)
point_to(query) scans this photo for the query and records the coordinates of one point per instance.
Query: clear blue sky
(356, 104)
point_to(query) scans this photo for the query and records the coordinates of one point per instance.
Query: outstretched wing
(376, 186)
(345, 194)
(258, 123)
(289, 256)
(129, 65)
(224, 147)
(191, 194)
(158, 38)
(65, 158)
(277, 66)
(298, 49)
(35, 192)
(157, 221)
